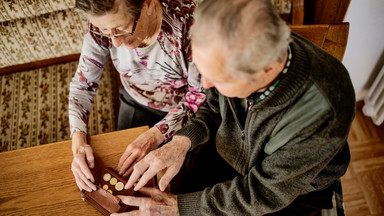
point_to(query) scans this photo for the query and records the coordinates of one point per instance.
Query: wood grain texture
(363, 184)
(297, 12)
(315, 33)
(336, 40)
(325, 11)
(332, 38)
(39, 180)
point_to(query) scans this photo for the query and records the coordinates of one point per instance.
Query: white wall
(365, 42)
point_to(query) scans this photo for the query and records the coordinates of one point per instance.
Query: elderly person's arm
(286, 170)
(170, 157)
(81, 93)
(178, 116)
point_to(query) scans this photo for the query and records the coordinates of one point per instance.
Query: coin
(105, 187)
(119, 186)
(113, 181)
(107, 177)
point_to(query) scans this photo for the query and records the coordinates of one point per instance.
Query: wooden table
(39, 180)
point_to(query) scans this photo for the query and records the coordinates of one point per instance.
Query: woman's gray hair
(250, 33)
(101, 7)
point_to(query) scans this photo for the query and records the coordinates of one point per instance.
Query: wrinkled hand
(138, 149)
(82, 158)
(159, 203)
(169, 157)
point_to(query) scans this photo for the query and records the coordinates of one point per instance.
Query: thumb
(89, 155)
(168, 176)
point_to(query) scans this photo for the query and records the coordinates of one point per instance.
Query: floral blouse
(161, 76)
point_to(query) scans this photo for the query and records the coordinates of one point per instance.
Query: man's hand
(138, 149)
(82, 158)
(169, 157)
(159, 203)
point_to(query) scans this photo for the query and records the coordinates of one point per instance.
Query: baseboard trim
(39, 64)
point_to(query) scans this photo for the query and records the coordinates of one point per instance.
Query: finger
(86, 181)
(78, 172)
(130, 169)
(149, 191)
(138, 170)
(80, 183)
(124, 157)
(128, 162)
(128, 172)
(168, 176)
(84, 166)
(90, 158)
(148, 175)
(134, 201)
(75, 170)
(131, 213)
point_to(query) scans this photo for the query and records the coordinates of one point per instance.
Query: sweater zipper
(249, 106)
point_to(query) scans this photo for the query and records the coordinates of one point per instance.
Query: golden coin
(119, 186)
(107, 177)
(105, 187)
(113, 181)
(110, 191)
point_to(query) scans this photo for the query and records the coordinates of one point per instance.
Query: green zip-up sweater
(295, 139)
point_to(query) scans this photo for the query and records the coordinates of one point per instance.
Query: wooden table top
(39, 180)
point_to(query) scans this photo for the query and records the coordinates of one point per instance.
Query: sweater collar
(293, 81)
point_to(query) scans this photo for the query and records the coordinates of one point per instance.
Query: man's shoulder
(329, 75)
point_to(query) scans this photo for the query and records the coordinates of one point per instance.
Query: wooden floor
(363, 184)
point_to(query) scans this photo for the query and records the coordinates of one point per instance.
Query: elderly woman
(149, 43)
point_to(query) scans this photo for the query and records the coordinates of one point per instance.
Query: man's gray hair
(250, 33)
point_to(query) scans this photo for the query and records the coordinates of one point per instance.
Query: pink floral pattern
(161, 76)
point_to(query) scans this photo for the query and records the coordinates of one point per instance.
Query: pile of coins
(109, 182)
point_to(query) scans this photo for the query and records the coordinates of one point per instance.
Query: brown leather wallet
(109, 184)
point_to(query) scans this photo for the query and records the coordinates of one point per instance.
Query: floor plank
(363, 184)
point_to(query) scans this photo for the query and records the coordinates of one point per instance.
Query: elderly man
(271, 137)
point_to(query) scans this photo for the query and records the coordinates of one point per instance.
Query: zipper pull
(242, 135)
(250, 104)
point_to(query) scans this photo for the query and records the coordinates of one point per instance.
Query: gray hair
(101, 7)
(249, 32)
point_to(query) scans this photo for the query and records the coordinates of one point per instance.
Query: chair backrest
(332, 38)
(291, 11)
(297, 12)
(325, 11)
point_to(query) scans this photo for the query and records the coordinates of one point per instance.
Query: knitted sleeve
(203, 127)
(290, 166)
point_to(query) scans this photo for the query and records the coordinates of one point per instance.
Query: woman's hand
(169, 157)
(83, 159)
(138, 149)
(159, 203)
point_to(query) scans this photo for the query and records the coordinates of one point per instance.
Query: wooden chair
(325, 11)
(294, 16)
(297, 12)
(332, 38)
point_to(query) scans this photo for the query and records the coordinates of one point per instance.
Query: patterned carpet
(34, 106)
